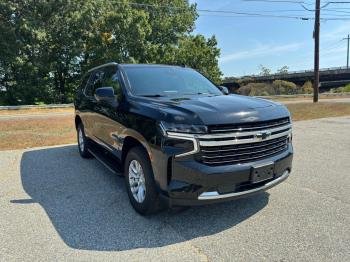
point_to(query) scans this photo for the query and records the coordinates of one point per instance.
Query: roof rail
(107, 64)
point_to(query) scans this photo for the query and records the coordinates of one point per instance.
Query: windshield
(168, 81)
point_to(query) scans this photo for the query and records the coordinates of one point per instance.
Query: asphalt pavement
(56, 206)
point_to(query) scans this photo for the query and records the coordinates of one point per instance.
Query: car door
(80, 102)
(91, 104)
(107, 124)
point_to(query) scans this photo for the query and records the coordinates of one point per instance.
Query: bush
(256, 89)
(344, 89)
(278, 87)
(307, 88)
(284, 87)
(244, 90)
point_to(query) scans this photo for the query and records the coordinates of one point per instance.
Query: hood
(213, 110)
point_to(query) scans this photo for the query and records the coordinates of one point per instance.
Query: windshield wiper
(153, 95)
(200, 93)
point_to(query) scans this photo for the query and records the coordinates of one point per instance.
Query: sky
(247, 42)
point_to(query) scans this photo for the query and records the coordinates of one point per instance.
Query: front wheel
(140, 183)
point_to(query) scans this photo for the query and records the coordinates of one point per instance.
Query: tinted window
(94, 82)
(163, 80)
(111, 79)
(84, 81)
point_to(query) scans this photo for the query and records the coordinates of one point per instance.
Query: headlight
(183, 128)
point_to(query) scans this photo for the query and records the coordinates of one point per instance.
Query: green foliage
(45, 46)
(344, 89)
(198, 53)
(307, 88)
(256, 89)
(278, 87)
(284, 87)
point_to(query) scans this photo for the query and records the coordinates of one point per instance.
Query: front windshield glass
(168, 81)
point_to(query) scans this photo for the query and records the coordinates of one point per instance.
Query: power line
(237, 13)
(256, 14)
(334, 45)
(333, 2)
(279, 1)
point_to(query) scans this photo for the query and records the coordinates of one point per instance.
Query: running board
(106, 159)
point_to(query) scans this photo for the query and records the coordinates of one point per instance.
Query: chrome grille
(242, 127)
(252, 142)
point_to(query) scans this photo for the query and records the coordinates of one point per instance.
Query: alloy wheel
(81, 139)
(137, 181)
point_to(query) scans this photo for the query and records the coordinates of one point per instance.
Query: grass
(307, 111)
(36, 111)
(46, 131)
(306, 98)
(27, 133)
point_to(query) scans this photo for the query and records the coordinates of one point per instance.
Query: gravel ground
(56, 206)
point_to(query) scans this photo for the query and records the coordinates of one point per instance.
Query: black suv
(177, 138)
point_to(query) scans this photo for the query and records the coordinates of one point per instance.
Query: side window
(111, 79)
(94, 82)
(98, 80)
(84, 81)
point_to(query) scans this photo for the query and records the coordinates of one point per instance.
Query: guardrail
(299, 72)
(36, 107)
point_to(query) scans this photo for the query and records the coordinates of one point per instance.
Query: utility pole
(347, 58)
(317, 50)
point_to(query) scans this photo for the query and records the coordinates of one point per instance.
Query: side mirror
(104, 94)
(224, 90)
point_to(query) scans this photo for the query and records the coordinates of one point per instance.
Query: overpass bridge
(329, 78)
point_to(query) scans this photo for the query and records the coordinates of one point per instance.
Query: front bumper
(194, 183)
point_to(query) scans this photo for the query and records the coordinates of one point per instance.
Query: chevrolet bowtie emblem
(263, 135)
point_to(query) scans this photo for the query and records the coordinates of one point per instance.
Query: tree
(283, 70)
(264, 71)
(198, 53)
(47, 45)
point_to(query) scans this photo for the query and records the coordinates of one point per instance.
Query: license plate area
(262, 172)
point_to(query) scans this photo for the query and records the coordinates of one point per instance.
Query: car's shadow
(89, 208)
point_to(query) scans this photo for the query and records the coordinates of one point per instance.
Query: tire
(83, 142)
(144, 196)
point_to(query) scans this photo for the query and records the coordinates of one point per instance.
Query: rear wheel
(140, 183)
(83, 143)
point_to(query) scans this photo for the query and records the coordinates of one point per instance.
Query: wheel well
(77, 121)
(129, 142)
